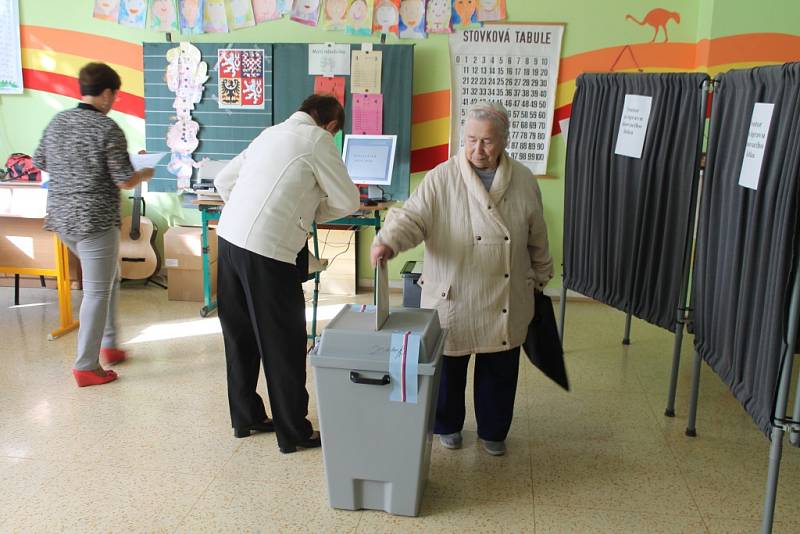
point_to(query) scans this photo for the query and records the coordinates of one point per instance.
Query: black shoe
(264, 426)
(312, 442)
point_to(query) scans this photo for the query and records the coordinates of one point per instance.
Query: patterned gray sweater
(86, 154)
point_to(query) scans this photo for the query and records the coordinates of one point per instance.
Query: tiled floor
(154, 451)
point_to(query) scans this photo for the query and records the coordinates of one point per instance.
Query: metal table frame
(210, 211)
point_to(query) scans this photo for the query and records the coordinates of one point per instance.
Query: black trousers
(262, 313)
(494, 391)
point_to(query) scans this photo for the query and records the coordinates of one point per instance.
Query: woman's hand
(382, 253)
(142, 175)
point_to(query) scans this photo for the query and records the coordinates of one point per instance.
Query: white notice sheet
(633, 125)
(756, 143)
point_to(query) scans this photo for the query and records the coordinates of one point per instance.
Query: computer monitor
(370, 158)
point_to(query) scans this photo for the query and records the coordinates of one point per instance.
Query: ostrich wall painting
(657, 18)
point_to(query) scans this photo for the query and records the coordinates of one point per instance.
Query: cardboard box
(25, 244)
(339, 248)
(184, 262)
(187, 284)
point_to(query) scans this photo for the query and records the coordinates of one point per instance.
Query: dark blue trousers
(494, 390)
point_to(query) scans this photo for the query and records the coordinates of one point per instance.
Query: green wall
(590, 25)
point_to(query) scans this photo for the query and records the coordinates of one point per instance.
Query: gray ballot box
(376, 450)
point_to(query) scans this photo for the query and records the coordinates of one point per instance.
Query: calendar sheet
(10, 61)
(516, 64)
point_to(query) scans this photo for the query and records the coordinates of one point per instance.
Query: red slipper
(89, 378)
(112, 356)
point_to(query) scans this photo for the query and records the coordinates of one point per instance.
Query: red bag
(20, 168)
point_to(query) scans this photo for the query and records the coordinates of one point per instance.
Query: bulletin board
(291, 61)
(223, 134)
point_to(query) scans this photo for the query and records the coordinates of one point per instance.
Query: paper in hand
(146, 161)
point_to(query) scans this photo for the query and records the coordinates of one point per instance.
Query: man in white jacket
(290, 176)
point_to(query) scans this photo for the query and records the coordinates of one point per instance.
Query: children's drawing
(186, 76)
(334, 14)
(386, 16)
(465, 13)
(106, 10)
(163, 16)
(412, 19)
(240, 14)
(215, 19)
(266, 10)
(133, 13)
(305, 12)
(437, 16)
(359, 17)
(191, 16)
(182, 140)
(489, 10)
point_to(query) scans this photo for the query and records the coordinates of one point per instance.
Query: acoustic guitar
(137, 252)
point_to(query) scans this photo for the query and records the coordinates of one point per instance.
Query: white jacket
(290, 176)
(485, 252)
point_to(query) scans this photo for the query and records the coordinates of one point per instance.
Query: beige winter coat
(485, 252)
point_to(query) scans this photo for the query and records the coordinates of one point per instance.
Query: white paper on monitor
(370, 158)
(381, 295)
(146, 161)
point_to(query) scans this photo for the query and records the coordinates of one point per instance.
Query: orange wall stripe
(51, 56)
(68, 86)
(430, 106)
(752, 48)
(93, 47)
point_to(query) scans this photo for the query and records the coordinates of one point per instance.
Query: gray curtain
(747, 240)
(627, 220)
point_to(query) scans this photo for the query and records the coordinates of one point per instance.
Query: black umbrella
(542, 345)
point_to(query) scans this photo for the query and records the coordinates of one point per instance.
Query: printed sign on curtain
(517, 65)
(10, 59)
(757, 135)
(241, 78)
(633, 125)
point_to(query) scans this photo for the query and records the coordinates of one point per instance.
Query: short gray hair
(491, 111)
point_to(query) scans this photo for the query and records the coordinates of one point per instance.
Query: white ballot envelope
(381, 295)
(146, 161)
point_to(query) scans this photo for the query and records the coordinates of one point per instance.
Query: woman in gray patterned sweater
(86, 156)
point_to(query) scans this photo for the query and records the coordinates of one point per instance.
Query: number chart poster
(517, 65)
(10, 62)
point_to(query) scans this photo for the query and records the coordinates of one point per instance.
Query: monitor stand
(374, 193)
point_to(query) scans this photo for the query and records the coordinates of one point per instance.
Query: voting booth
(376, 392)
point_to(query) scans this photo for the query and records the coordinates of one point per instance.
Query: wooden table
(210, 210)
(26, 250)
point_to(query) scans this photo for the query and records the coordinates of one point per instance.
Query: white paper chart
(516, 64)
(10, 62)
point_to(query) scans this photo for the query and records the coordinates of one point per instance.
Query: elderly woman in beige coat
(480, 216)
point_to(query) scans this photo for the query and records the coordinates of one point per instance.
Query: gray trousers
(99, 261)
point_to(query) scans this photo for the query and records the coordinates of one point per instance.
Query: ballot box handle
(356, 378)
